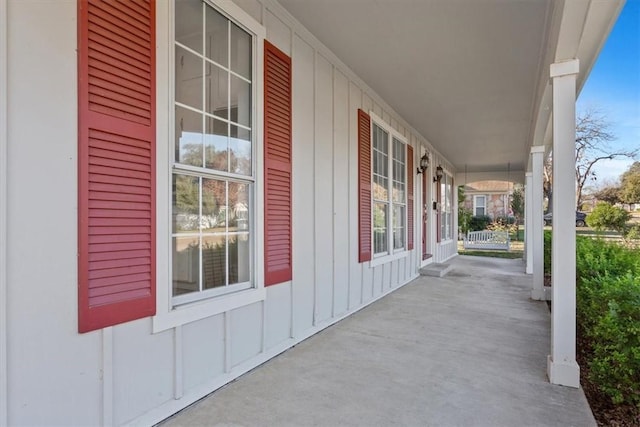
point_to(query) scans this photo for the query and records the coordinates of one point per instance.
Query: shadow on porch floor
(468, 349)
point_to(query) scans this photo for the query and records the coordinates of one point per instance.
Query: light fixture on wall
(424, 163)
(439, 174)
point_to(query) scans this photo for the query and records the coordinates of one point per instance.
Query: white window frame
(391, 253)
(476, 204)
(168, 315)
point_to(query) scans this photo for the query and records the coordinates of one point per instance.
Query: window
(389, 172)
(446, 197)
(479, 205)
(213, 172)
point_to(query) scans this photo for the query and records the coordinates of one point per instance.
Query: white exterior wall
(127, 373)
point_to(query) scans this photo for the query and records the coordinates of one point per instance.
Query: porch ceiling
(466, 74)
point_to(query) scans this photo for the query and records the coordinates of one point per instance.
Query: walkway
(468, 349)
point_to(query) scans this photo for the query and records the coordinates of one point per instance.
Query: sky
(613, 88)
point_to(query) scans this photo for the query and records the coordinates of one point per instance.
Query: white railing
(487, 239)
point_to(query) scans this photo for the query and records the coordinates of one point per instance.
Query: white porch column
(528, 216)
(537, 223)
(561, 364)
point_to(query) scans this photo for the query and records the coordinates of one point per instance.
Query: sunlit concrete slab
(468, 349)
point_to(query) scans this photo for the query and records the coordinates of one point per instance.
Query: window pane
(186, 264)
(216, 37)
(398, 227)
(399, 179)
(240, 51)
(380, 139)
(189, 24)
(217, 81)
(239, 206)
(240, 150)
(240, 101)
(380, 188)
(216, 144)
(188, 78)
(214, 261)
(214, 205)
(188, 143)
(186, 204)
(239, 259)
(380, 228)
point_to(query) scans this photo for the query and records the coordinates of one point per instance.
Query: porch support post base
(538, 295)
(563, 373)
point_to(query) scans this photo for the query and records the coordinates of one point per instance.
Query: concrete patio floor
(468, 349)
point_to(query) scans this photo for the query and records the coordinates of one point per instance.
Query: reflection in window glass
(186, 265)
(380, 227)
(240, 101)
(212, 168)
(216, 37)
(186, 204)
(240, 52)
(389, 191)
(187, 34)
(188, 144)
(240, 151)
(217, 102)
(188, 78)
(214, 261)
(216, 144)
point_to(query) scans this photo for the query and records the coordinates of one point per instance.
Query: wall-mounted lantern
(424, 163)
(439, 174)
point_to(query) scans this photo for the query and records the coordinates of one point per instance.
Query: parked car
(581, 218)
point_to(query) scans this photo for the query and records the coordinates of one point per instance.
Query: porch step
(436, 270)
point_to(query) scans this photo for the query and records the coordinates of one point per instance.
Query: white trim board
(3, 212)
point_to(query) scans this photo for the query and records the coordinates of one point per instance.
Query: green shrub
(479, 222)
(614, 329)
(547, 251)
(507, 220)
(464, 219)
(598, 257)
(607, 217)
(608, 314)
(632, 232)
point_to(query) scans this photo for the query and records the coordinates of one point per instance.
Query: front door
(425, 217)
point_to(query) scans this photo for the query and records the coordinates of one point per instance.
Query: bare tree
(593, 138)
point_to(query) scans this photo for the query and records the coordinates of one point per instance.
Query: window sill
(388, 258)
(207, 308)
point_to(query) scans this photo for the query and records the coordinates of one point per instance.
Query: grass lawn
(494, 254)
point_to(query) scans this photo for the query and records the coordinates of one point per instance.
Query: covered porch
(465, 349)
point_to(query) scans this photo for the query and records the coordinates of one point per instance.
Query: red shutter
(410, 197)
(116, 162)
(277, 165)
(364, 186)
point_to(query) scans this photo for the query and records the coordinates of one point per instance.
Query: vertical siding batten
(304, 176)
(323, 190)
(340, 192)
(4, 420)
(178, 363)
(107, 376)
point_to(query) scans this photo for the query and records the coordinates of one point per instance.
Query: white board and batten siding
(126, 374)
